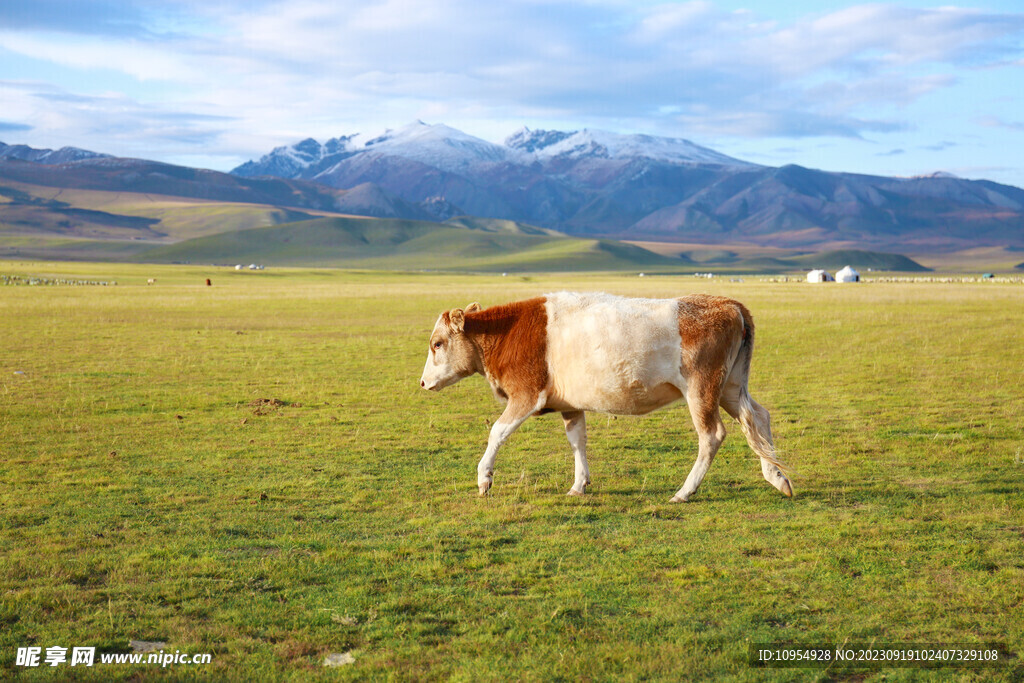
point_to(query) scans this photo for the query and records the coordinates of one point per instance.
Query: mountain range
(638, 187)
(663, 194)
(95, 207)
(72, 204)
(47, 156)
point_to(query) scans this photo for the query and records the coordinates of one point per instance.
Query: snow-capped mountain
(445, 148)
(645, 187)
(292, 161)
(600, 144)
(47, 156)
(438, 146)
(539, 176)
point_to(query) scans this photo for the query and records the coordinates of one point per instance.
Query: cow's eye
(438, 344)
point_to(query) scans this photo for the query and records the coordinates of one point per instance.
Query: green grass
(142, 497)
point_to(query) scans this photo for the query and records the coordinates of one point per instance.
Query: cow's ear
(473, 307)
(457, 320)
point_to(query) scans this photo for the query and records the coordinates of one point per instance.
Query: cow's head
(450, 356)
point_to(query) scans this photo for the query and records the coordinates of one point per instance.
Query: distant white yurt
(847, 274)
(819, 276)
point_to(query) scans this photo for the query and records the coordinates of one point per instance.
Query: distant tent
(847, 274)
(819, 276)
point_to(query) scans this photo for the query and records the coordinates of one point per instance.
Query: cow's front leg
(576, 430)
(514, 415)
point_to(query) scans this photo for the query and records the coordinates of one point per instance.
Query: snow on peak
(602, 144)
(451, 150)
(48, 156)
(437, 145)
(530, 141)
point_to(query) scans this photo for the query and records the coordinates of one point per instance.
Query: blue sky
(897, 89)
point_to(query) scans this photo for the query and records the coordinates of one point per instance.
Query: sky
(902, 89)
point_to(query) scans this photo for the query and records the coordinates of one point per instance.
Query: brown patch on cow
(710, 327)
(512, 339)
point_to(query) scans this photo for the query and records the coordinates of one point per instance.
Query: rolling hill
(48, 222)
(139, 176)
(84, 212)
(56, 223)
(859, 259)
(462, 244)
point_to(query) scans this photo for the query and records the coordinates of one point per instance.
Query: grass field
(148, 494)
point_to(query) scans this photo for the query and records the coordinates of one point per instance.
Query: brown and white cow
(571, 353)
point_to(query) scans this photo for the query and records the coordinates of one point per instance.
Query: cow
(576, 352)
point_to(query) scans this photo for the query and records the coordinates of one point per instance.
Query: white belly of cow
(613, 355)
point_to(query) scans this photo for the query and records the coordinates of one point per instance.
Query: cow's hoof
(677, 499)
(484, 488)
(574, 492)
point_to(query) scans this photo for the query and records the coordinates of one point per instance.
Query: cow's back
(612, 354)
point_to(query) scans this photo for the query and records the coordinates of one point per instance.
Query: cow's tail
(753, 417)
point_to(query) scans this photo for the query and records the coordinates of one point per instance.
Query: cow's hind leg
(756, 424)
(710, 434)
(576, 431)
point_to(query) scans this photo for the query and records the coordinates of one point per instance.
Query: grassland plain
(144, 497)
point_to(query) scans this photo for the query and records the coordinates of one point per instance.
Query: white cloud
(869, 37)
(109, 123)
(400, 16)
(141, 60)
(888, 88)
(786, 123)
(283, 69)
(664, 21)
